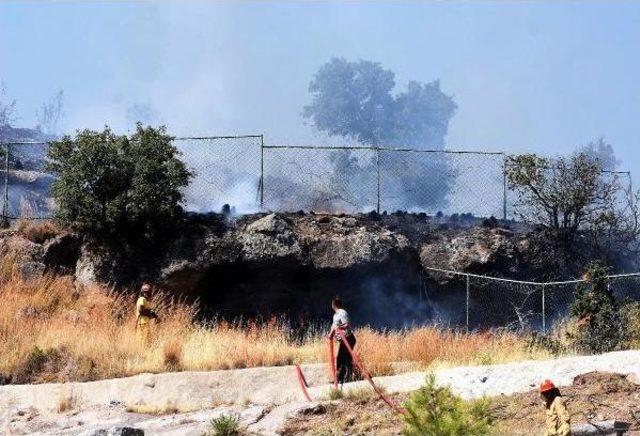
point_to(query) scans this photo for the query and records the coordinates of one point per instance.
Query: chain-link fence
(475, 301)
(227, 169)
(249, 175)
(26, 183)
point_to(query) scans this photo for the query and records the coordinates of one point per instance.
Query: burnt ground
(592, 397)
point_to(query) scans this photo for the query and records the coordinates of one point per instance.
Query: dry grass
(37, 231)
(50, 331)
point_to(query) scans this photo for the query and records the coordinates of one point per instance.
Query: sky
(528, 76)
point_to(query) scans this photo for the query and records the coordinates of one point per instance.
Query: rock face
(266, 264)
(58, 254)
(475, 250)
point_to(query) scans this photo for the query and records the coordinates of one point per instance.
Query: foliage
(113, 185)
(224, 425)
(563, 194)
(630, 316)
(437, 411)
(573, 196)
(38, 231)
(355, 100)
(602, 152)
(7, 108)
(599, 326)
(51, 113)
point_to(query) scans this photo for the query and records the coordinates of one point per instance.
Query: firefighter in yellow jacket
(144, 315)
(558, 418)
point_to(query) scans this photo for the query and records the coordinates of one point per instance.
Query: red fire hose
(396, 407)
(303, 383)
(332, 363)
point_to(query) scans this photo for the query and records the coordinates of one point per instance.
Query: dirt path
(263, 397)
(591, 397)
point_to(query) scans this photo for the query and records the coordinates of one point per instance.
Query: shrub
(109, 185)
(224, 425)
(599, 325)
(630, 316)
(172, 355)
(437, 411)
(38, 232)
(36, 363)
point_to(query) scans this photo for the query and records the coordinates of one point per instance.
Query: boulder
(61, 253)
(475, 250)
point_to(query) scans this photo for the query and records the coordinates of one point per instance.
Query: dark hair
(551, 395)
(337, 301)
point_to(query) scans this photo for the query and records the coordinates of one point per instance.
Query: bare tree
(51, 113)
(574, 195)
(7, 108)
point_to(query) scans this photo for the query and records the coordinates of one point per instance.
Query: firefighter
(341, 328)
(144, 315)
(558, 420)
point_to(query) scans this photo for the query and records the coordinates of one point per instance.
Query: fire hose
(303, 383)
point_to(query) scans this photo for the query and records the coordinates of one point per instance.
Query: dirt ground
(592, 397)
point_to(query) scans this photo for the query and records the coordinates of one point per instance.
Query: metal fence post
(378, 179)
(504, 187)
(261, 171)
(544, 312)
(4, 223)
(468, 299)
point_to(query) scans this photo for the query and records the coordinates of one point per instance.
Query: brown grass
(50, 331)
(37, 231)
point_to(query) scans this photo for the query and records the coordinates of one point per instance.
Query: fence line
(560, 296)
(329, 178)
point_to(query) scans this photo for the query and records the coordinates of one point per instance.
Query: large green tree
(356, 100)
(108, 184)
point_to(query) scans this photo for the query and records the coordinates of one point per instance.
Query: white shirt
(341, 320)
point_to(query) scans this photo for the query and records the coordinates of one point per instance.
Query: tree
(355, 100)
(7, 108)
(563, 194)
(595, 308)
(433, 410)
(602, 152)
(583, 210)
(109, 185)
(51, 113)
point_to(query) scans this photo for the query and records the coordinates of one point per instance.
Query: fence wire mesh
(227, 170)
(477, 302)
(243, 172)
(26, 183)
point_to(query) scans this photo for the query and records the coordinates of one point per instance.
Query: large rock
(475, 250)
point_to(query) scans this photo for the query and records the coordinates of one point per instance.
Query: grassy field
(51, 331)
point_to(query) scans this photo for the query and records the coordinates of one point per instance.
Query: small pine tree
(436, 411)
(600, 329)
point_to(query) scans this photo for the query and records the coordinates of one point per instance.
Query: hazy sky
(536, 76)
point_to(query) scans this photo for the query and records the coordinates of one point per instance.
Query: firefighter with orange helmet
(558, 420)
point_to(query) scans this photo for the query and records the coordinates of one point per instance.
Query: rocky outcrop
(475, 250)
(57, 254)
(291, 263)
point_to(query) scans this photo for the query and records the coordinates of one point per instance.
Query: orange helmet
(546, 386)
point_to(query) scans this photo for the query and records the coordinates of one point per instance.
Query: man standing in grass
(341, 328)
(144, 315)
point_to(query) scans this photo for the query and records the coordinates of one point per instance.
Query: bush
(630, 316)
(114, 185)
(599, 323)
(172, 355)
(437, 411)
(38, 232)
(224, 425)
(38, 362)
